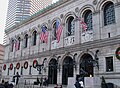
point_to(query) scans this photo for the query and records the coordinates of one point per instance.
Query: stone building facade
(92, 50)
(1, 58)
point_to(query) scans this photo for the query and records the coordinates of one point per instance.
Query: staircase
(36, 86)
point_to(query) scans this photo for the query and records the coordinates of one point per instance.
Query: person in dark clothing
(2, 84)
(6, 85)
(77, 84)
(38, 80)
(45, 83)
(17, 77)
(13, 79)
(11, 85)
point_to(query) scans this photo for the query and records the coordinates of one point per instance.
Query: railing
(69, 41)
(54, 44)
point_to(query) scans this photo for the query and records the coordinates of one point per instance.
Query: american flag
(83, 24)
(44, 34)
(16, 45)
(58, 30)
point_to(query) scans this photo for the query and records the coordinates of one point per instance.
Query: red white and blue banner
(58, 30)
(44, 34)
(83, 24)
(16, 45)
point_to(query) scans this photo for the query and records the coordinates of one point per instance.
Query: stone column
(59, 75)
(50, 35)
(29, 42)
(77, 31)
(117, 17)
(96, 25)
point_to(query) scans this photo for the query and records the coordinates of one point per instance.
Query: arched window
(52, 72)
(19, 43)
(25, 41)
(12, 45)
(34, 37)
(70, 26)
(67, 69)
(109, 14)
(88, 19)
(54, 31)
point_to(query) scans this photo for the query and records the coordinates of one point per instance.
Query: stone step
(36, 86)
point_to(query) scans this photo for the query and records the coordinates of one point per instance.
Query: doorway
(86, 66)
(67, 69)
(52, 72)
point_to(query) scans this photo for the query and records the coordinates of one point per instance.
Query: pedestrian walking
(17, 76)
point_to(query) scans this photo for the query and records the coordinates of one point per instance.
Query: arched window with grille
(70, 26)
(34, 38)
(12, 45)
(88, 20)
(25, 41)
(54, 31)
(19, 43)
(109, 14)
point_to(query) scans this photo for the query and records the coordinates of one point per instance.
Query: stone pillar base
(92, 82)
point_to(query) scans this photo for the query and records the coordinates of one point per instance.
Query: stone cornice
(74, 48)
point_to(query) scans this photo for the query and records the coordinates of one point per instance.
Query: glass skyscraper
(19, 10)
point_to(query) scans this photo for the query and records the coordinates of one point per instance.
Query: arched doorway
(52, 72)
(67, 70)
(86, 66)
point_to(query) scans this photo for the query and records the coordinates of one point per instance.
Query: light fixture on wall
(40, 66)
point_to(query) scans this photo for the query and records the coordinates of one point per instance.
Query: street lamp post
(40, 68)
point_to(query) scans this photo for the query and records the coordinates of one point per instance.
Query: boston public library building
(67, 40)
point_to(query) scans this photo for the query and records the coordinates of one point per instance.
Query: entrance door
(86, 66)
(67, 70)
(52, 73)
